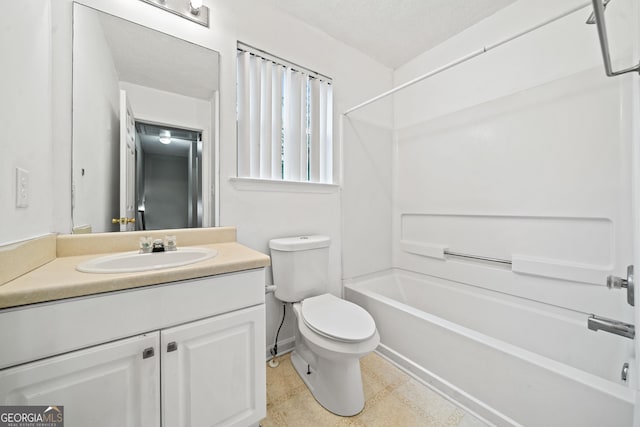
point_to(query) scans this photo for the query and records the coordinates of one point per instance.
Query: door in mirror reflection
(127, 165)
(168, 176)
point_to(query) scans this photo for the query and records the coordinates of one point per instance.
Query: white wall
(96, 128)
(168, 108)
(25, 118)
(522, 154)
(259, 214)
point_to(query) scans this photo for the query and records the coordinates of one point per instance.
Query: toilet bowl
(331, 336)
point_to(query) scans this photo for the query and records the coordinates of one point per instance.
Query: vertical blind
(285, 116)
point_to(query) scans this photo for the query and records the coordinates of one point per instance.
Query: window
(285, 120)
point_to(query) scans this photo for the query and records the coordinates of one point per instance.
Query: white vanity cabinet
(107, 385)
(212, 371)
(180, 354)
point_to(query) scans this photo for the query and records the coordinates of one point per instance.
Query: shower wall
(521, 154)
(366, 195)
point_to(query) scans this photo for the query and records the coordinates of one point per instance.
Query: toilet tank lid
(299, 243)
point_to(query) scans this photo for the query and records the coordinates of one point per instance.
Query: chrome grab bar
(596, 323)
(598, 11)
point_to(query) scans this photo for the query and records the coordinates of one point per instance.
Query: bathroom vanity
(175, 353)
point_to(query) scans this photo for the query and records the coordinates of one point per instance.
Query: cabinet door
(213, 371)
(106, 385)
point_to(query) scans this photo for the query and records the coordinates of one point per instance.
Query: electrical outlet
(22, 188)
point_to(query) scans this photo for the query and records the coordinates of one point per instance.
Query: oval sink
(128, 262)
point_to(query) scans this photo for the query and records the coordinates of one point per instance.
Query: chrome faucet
(597, 323)
(158, 246)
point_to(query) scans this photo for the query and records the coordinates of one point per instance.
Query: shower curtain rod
(465, 58)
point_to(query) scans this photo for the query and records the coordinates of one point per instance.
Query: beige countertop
(58, 278)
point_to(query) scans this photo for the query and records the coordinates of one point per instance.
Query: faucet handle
(615, 282)
(170, 243)
(146, 245)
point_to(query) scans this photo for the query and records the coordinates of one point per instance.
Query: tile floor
(393, 399)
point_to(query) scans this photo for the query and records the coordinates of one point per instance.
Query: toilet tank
(300, 266)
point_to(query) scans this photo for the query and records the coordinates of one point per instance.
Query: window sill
(258, 184)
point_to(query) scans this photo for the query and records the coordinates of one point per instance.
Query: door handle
(123, 221)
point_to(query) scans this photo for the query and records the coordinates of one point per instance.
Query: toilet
(331, 334)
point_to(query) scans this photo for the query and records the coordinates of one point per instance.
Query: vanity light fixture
(164, 137)
(193, 10)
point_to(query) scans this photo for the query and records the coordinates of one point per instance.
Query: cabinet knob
(148, 352)
(172, 346)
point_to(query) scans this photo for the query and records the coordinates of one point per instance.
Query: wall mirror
(144, 110)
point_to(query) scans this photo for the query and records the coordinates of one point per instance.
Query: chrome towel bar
(478, 257)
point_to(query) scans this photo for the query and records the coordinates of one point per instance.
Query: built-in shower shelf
(522, 264)
(424, 249)
(576, 249)
(557, 269)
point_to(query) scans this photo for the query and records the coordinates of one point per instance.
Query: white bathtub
(512, 361)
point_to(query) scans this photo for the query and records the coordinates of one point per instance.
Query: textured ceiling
(391, 31)
(150, 58)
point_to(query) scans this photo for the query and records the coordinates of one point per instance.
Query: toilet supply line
(274, 350)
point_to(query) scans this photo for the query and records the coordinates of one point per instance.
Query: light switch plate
(22, 188)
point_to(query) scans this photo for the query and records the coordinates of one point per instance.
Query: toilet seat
(337, 319)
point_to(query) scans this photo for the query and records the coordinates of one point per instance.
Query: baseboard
(284, 346)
